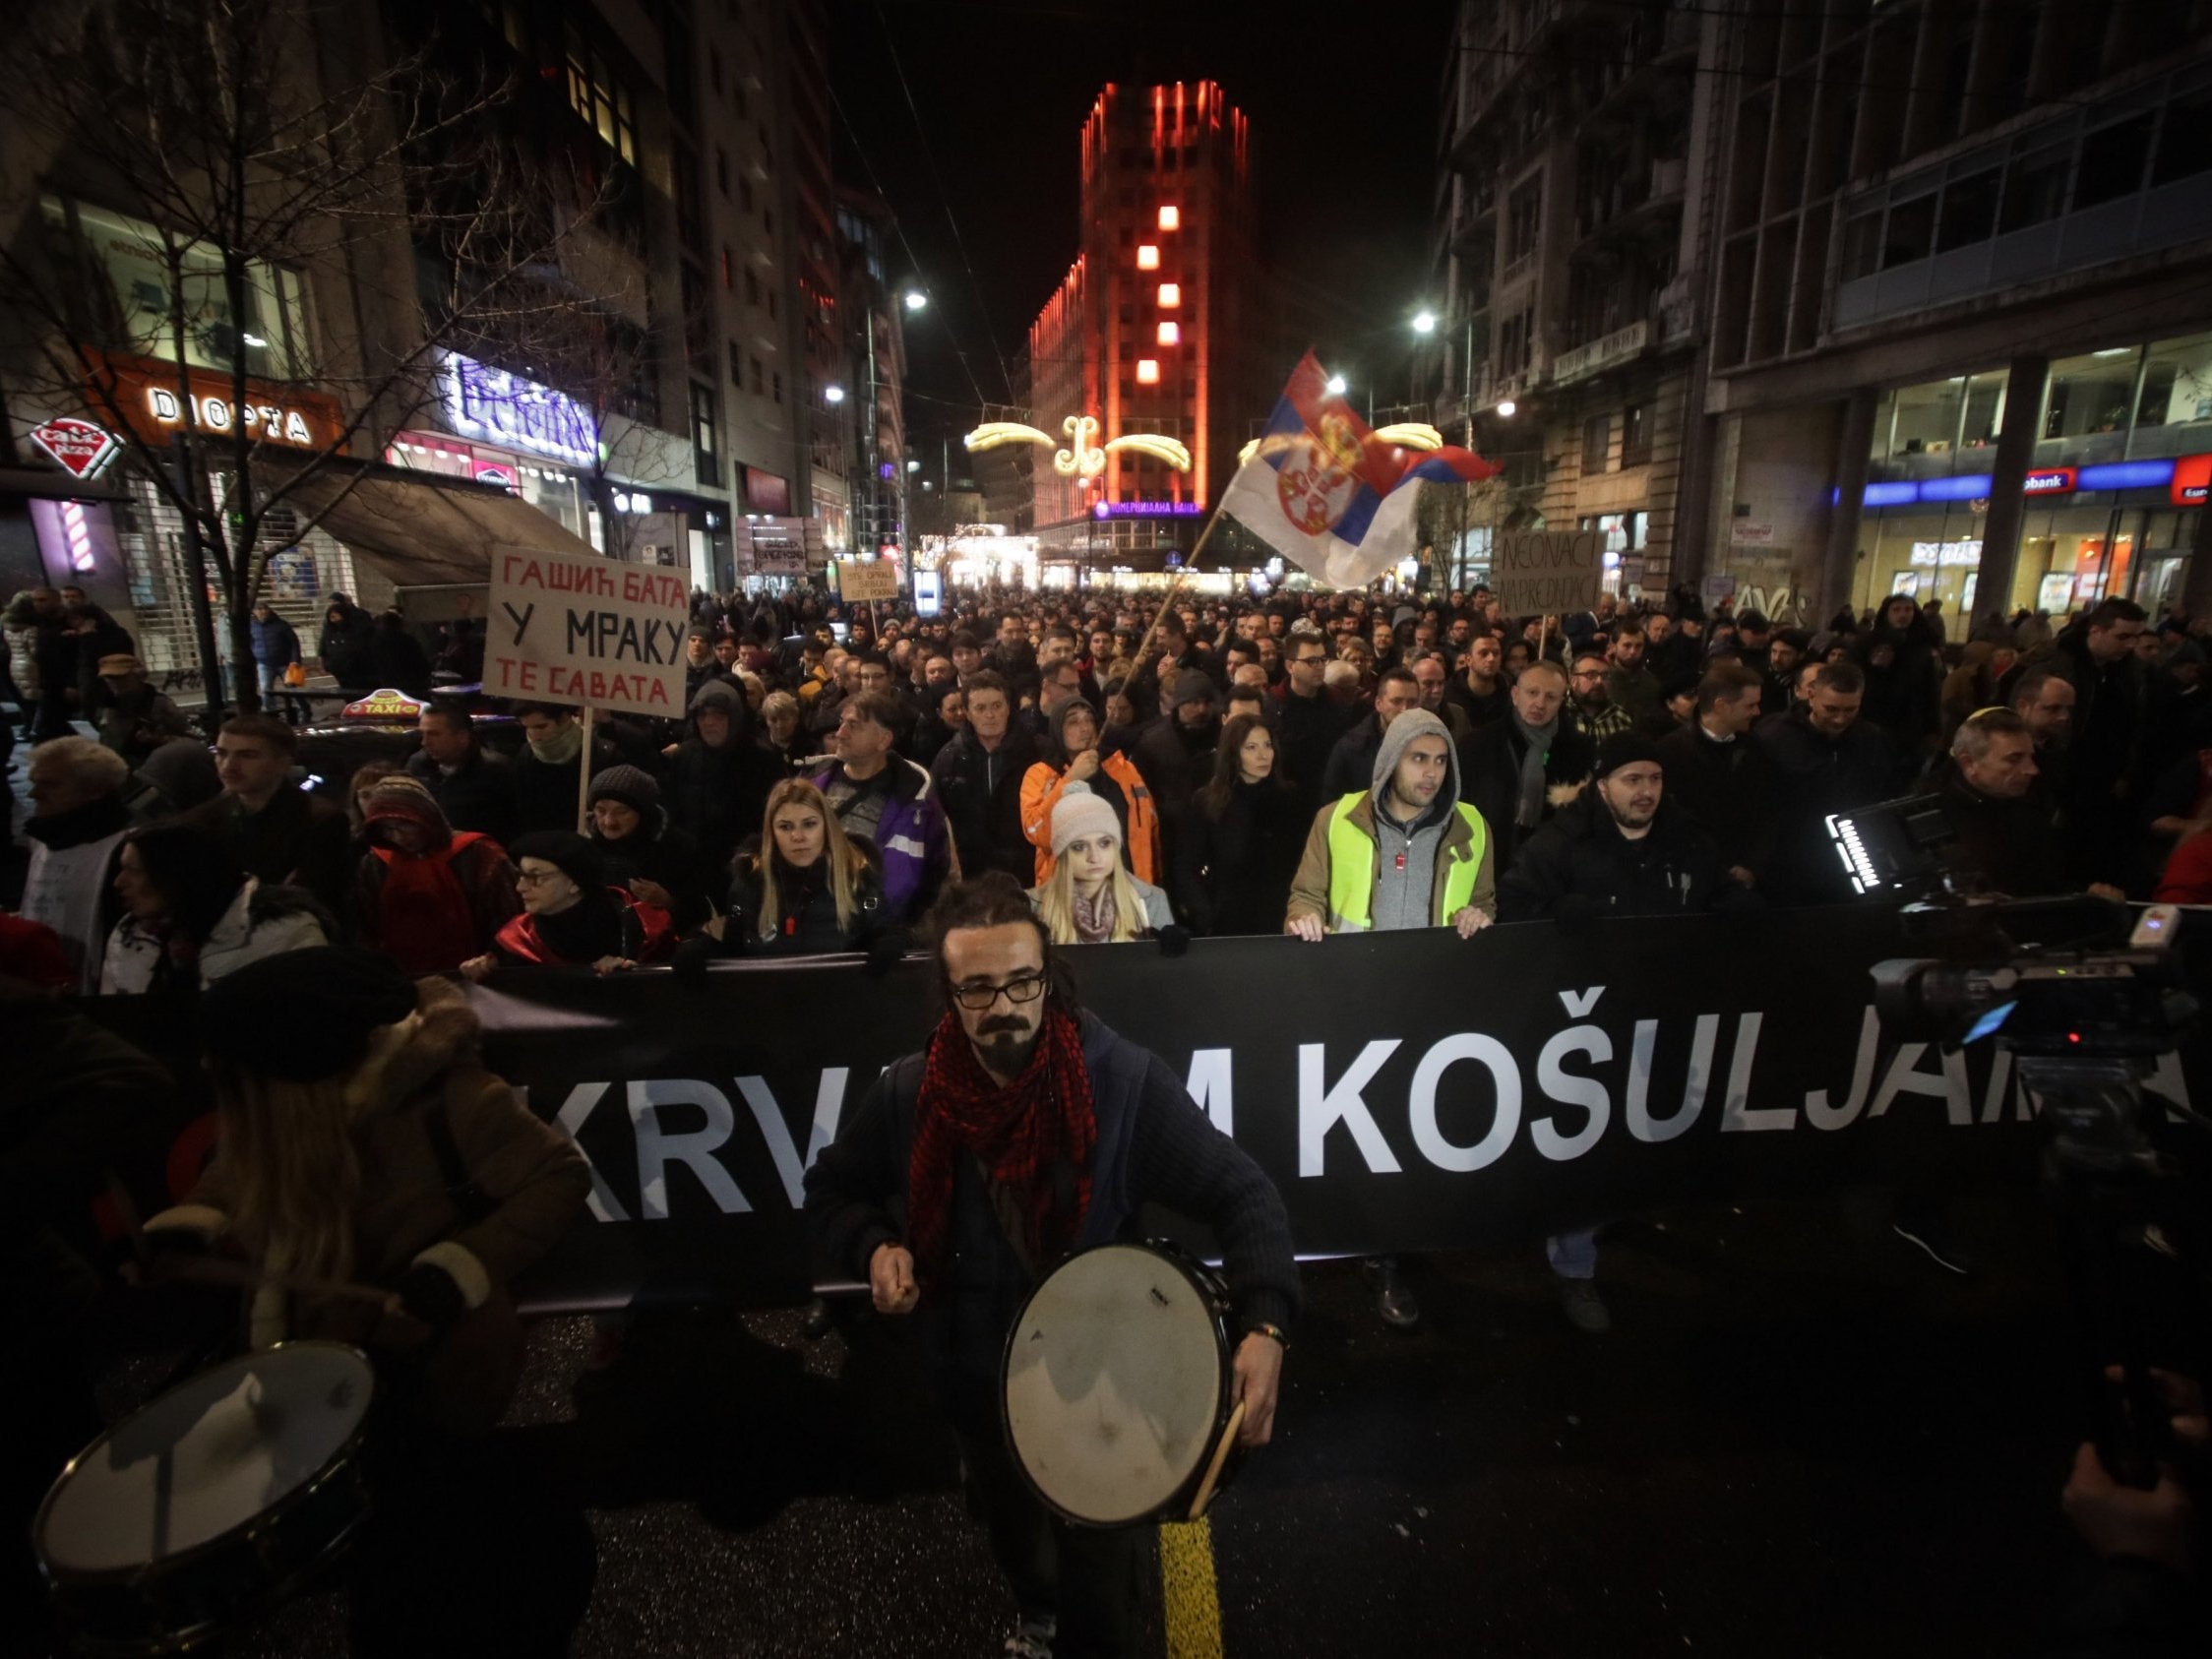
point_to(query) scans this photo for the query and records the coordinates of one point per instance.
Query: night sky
(1343, 105)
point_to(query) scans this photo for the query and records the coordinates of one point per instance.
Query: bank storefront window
(2118, 432)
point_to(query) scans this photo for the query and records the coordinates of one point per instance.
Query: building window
(714, 69)
(729, 274)
(751, 287)
(1910, 233)
(2035, 188)
(743, 193)
(1969, 212)
(1171, 333)
(777, 383)
(737, 367)
(722, 171)
(2112, 160)
(607, 105)
(1171, 219)
(705, 446)
(1636, 435)
(1147, 371)
(1148, 257)
(1171, 295)
(1597, 443)
(759, 382)
(1524, 219)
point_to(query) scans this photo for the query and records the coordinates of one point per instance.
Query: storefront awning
(421, 529)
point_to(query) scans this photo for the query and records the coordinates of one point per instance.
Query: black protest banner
(1406, 1093)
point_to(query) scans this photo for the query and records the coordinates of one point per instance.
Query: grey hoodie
(1406, 868)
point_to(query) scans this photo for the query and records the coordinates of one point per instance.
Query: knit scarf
(1528, 809)
(1043, 1119)
(561, 748)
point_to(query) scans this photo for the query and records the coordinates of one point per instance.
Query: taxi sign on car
(385, 704)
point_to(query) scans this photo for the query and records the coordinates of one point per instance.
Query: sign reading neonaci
(495, 407)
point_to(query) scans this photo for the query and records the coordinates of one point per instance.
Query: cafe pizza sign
(81, 447)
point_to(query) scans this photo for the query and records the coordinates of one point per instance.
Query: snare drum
(222, 1494)
(1117, 1382)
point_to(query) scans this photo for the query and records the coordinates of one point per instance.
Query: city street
(1799, 1437)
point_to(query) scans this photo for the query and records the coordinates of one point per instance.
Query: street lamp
(916, 300)
(1425, 322)
(1507, 406)
(913, 467)
(833, 394)
(1337, 386)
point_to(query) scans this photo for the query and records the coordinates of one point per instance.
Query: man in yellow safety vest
(1406, 852)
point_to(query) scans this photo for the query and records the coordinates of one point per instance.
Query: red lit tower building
(1150, 330)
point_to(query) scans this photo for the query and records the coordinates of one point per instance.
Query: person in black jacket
(1827, 761)
(1241, 839)
(553, 767)
(473, 787)
(810, 891)
(1174, 754)
(979, 773)
(1620, 847)
(1026, 1128)
(1519, 771)
(719, 778)
(1617, 851)
(397, 658)
(2003, 841)
(1307, 721)
(344, 646)
(643, 851)
(1351, 764)
(1904, 675)
(1719, 776)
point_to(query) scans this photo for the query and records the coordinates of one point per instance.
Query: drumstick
(246, 1277)
(1220, 1457)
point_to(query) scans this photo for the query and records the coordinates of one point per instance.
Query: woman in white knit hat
(1091, 897)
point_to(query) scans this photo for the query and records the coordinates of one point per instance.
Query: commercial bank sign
(494, 407)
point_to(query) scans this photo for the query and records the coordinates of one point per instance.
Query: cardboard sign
(870, 581)
(1534, 572)
(584, 631)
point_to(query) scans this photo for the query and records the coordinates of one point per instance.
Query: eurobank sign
(497, 408)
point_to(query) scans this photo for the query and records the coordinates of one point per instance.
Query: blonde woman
(810, 891)
(1090, 898)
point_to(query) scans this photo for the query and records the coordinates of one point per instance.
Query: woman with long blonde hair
(811, 890)
(1091, 897)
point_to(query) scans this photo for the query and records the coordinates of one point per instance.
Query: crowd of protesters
(1289, 763)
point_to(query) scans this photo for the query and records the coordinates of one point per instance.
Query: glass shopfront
(553, 490)
(2108, 514)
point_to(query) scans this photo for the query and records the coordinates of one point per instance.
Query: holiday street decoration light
(1084, 456)
(1409, 435)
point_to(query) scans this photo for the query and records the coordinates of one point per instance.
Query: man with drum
(1025, 1129)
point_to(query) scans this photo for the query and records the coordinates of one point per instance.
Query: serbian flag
(1330, 496)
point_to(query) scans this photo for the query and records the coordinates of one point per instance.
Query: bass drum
(1116, 1385)
(223, 1494)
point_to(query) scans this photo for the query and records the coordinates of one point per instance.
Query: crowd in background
(1198, 766)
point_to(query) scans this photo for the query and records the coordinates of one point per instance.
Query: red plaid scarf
(1043, 1117)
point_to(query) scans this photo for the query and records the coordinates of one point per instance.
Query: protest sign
(1535, 572)
(589, 632)
(876, 580)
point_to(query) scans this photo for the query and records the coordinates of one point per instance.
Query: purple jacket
(912, 836)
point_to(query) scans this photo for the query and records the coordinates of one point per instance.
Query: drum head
(1114, 1382)
(207, 1456)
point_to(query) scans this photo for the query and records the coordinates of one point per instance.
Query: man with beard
(1519, 771)
(1025, 1129)
(1630, 682)
(1479, 693)
(1620, 850)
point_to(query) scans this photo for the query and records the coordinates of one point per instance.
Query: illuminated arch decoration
(1412, 435)
(1084, 456)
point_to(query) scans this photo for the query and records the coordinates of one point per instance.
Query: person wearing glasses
(570, 915)
(1025, 1129)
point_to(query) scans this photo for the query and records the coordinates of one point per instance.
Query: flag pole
(1175, 586)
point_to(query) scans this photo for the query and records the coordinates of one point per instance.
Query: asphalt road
(1800, 1438)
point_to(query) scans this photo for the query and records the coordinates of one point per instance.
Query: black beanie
(632, 786)
(304, 1015)
(570, 853)
(1626, 749)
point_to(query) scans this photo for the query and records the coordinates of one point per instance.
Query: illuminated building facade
(1150, 330)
